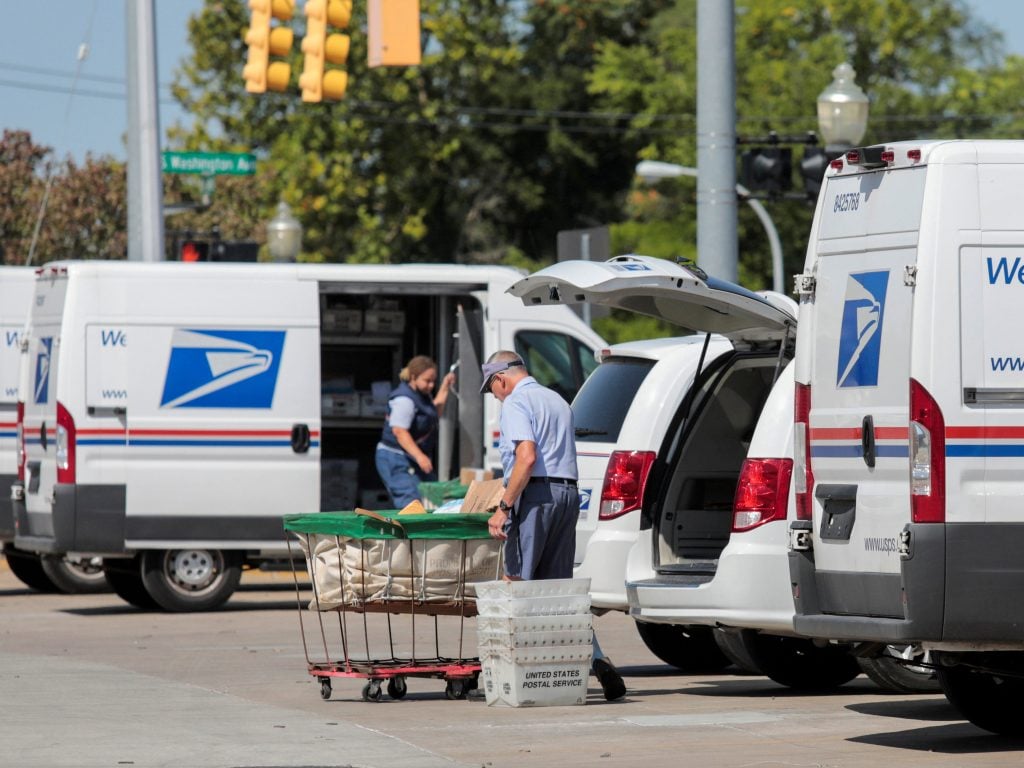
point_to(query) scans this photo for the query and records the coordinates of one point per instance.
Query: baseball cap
(489, 369)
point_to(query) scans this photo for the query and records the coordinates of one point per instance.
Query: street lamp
(842, 111)
(652, 170)
(284, 234)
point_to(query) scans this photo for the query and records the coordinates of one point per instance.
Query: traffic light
(393, 33)
(319, 47)
(264, 41)
(812, 168)
(194, 250)
(768, 169)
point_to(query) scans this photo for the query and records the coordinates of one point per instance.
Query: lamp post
(842, 111)
(284, 234)
(652, 170)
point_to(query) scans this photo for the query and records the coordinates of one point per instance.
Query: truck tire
(74, 576)
(987, 700)
(891, 672)
(125, 578)
(28, 568)
(735, 650)
(688, 649)
(186, 580)
(799, 663)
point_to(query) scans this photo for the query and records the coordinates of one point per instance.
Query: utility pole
(145, 190)
(717, 248)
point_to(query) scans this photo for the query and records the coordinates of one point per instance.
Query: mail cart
(391, 595)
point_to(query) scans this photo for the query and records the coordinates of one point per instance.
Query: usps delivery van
(176, 411)
(909, 423)
(49, 573)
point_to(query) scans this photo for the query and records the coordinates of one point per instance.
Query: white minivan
(690, 483)
(173, 413)
(910, 414)
(672, 464)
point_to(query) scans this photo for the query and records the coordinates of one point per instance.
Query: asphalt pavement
(90, 681)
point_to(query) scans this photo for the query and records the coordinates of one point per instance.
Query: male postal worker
(537, 513)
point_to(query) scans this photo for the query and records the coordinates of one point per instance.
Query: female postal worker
(404, 454)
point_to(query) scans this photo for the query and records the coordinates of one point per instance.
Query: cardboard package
(468, 474)
(483, 495)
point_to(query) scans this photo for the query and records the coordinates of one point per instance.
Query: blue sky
(40, 39)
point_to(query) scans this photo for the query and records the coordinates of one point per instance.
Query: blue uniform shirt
(536, 413)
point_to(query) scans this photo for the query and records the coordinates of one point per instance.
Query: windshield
(601, 405)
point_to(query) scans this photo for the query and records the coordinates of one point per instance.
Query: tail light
(804, 475)
(65, 452)
(762, 493)
(624, 483)
(927, 457)
(20, 440)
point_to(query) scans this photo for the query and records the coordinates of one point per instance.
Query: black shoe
(610, 679)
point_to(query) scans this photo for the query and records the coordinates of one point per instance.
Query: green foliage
(928, 68)
(85, 213)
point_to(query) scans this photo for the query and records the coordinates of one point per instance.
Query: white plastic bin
(536, 677)
(542, 639)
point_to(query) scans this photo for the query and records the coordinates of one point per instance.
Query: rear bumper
(960, 583)
(750, 588)
(83, 518)
(6, 507)
(604, 563)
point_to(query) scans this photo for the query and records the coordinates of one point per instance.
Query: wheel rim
(193, 571)
(86, 568)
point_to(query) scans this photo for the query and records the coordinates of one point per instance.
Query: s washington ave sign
(210, 163)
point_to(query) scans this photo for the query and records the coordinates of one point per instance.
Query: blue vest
(424, 422)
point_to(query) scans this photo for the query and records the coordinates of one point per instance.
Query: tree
(929, 69)
(85, 212)
(483, 153)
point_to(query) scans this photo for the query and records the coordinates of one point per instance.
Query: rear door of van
(39, 419)
(858, 394)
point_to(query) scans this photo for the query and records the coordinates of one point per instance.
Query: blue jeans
(401, 476)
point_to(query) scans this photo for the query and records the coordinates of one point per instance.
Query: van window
(600, 407)
(556, 360)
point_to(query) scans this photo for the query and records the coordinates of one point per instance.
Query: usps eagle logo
(41, 390)
(222, 369)
(860, 336)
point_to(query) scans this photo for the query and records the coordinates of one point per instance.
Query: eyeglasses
(494, 378)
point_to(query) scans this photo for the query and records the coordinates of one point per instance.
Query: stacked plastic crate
(535, 641)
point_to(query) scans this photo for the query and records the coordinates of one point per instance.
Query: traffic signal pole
(717, 247)
(145, 190)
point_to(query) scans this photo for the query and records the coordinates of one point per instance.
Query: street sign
(210, 163)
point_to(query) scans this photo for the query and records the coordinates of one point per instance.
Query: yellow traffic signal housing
(320, 47)
(393, 33)
(264, 41)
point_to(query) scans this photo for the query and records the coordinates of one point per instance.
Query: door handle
(867, 440)
(300, 438)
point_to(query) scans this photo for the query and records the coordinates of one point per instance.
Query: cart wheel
(371, 691)
(397, 687)
(456, 689)
(325, 688)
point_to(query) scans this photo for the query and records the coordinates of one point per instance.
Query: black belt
(557, 480)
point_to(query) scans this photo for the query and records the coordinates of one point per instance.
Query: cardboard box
(483, 495)
(469, 474)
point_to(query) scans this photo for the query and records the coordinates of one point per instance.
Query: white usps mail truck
(16, 286)
(45, 573)
(909, 414)
(174, 412)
